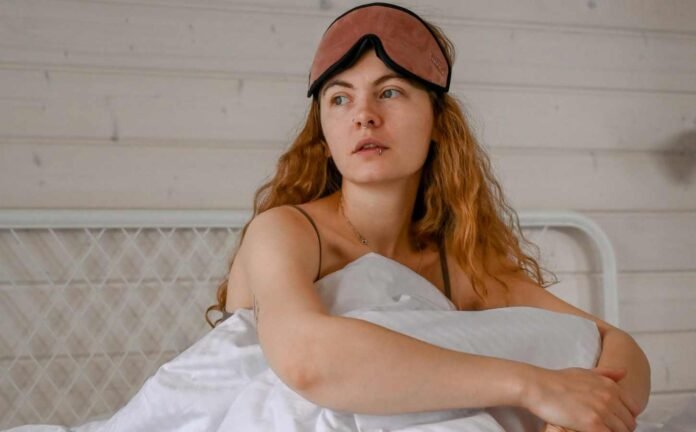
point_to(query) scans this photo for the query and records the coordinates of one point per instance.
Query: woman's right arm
(352, 365)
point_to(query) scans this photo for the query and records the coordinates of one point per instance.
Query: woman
(386, 163)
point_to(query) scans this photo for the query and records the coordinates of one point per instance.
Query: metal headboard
(93, 301)
(569, 219)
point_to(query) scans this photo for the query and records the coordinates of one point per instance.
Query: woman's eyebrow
(341, 83)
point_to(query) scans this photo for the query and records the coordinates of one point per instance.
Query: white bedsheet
(223, 383)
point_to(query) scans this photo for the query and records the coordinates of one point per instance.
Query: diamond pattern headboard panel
(92, 302)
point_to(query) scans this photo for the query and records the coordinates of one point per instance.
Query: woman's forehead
(368, 63)
(371, 80)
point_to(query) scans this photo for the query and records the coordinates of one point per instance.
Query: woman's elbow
(299, 377)
(301, 349)
(299, 366)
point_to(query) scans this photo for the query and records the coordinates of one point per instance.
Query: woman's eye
(336, 100)
(390, 92)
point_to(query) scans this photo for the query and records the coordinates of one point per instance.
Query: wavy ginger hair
(458, 198)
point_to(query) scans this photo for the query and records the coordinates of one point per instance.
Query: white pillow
(543, 338)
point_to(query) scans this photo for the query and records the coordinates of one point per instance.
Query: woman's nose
(366, 115)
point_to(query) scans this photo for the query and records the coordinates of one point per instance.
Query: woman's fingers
(619, 424)
(615, 404)
(624, 415)
(616, 374)
(611, 410)
(630, 403)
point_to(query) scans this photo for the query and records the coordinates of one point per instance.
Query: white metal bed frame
(28, 381)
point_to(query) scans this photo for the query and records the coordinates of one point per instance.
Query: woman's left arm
(619, 349)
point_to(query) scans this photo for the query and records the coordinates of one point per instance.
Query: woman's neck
(381, 215)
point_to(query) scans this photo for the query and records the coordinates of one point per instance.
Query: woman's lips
(369, 140)
(372, 150)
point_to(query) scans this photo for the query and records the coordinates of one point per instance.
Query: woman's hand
(581, 399)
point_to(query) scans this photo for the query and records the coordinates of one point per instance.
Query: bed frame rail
(92, 302)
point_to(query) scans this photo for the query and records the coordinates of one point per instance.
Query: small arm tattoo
(257, 311)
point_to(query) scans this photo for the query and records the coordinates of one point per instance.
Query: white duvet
(223, 383)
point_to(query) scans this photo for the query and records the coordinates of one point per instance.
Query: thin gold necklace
(362, 239)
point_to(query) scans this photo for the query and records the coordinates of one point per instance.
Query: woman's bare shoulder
(279, 245)
(277, 229)
(278, 226)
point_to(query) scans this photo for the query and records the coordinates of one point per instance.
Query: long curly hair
(458, 200)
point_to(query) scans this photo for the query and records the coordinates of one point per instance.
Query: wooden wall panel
(160, 106)
(82, 173)
(584, 105)
(126, 36)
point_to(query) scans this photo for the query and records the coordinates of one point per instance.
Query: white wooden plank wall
(586, 105)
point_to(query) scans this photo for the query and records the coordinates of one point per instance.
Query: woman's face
(369, 100)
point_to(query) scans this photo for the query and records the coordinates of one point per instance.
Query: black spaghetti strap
(318, 237)
(445, 270)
